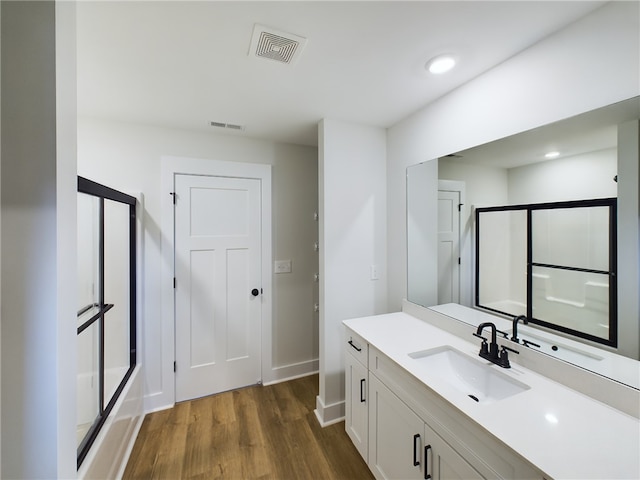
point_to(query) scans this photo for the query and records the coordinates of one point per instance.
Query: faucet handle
(484, 348)
(504, 356)
(528, 343)
(504, 334)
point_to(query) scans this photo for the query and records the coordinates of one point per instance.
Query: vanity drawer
(356, 346)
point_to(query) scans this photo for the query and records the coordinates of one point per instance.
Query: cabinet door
(356, 410)
(442, 462)
(395, 435)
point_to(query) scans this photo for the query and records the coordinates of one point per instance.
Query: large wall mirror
(576, 159)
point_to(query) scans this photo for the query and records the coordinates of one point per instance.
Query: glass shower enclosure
(553, 262)
(106, 292)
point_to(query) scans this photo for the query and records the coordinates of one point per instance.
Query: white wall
(422, 214)
(352, 239)
(485, 186)
(38, 240)
(556, 78)
(580, 177)
(629, 238)
(127, 157)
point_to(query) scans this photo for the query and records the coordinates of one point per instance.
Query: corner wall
(629, 238)
(38, 240)
(352, 240)
(552, 80)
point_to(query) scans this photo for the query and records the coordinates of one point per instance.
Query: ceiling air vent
(274, 45)
(229, 126)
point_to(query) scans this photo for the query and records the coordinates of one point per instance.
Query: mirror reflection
(555, 263)
(515, 171)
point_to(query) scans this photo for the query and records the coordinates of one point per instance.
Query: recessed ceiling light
(441, 64)
(553, 154)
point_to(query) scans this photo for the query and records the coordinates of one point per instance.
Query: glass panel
(116, 291)
(87, 383)
(575, 300)
(502, 260)
(575, 237)
(88, 242)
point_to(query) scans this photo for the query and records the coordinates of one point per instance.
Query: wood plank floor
(252, 433)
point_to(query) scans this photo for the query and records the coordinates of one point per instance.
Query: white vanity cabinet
(402, 445)
(404, 430)
(357, 393)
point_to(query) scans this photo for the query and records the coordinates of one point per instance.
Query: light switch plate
(282, 266)
(374, 272)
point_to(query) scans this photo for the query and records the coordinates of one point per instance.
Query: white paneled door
(448, 247)
(218, 291)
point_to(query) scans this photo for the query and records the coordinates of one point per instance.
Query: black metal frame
(611, 203)
(103, 193)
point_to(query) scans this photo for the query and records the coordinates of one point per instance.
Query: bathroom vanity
(421, 403)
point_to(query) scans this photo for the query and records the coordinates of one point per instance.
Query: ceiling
(183, 64)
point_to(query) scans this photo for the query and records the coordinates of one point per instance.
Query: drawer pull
(416, 461)
(354, 346)
(362, 398)
(427, 476)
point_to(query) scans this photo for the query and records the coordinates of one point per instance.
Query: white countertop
(563, 433)
(609, 364)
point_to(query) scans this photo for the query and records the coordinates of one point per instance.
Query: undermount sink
(479, 381)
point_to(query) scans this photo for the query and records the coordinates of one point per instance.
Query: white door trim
(467, 268)
(171, 166)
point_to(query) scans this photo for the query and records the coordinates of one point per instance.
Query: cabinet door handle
(427, 475)
(354, 346)
(416, 461)
(362, 397)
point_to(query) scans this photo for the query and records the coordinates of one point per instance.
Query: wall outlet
(282, 266)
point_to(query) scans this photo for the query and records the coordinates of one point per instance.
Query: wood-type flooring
(251, 433)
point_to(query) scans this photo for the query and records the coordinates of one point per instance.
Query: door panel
(217, 264)
(444, 463)
(201, 319)
(356, 404)
(448, 247)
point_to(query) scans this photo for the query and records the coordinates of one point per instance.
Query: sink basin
(481, 382)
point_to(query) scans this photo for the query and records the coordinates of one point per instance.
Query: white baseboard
(329, 414)
(290, 372)
(129, 448)
(110, 451)
(158, 401)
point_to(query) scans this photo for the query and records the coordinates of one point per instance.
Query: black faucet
(491, 352)
(514, 331)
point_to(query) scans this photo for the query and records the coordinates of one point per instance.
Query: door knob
(255, 292)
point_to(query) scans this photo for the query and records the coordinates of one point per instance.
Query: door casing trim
(170, 167)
